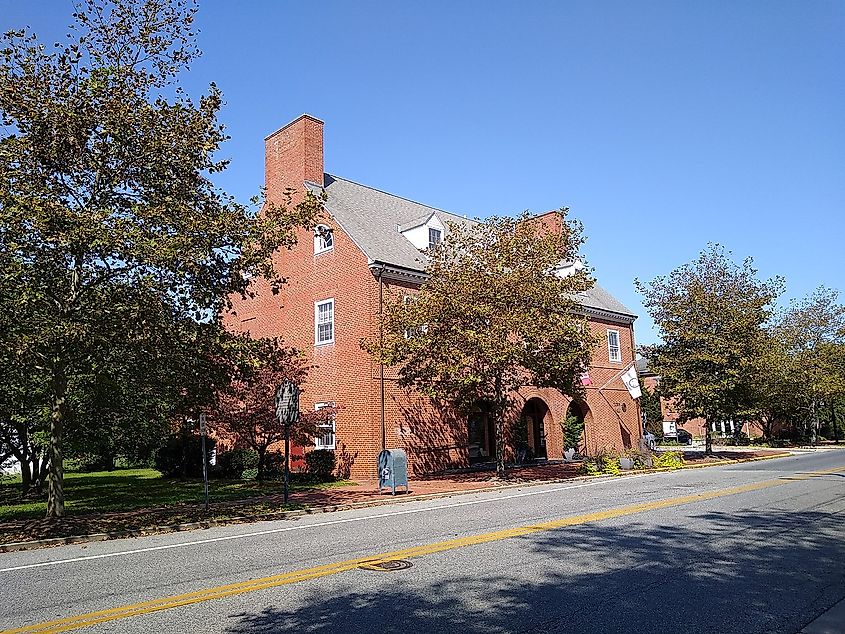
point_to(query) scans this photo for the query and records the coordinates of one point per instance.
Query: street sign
(287, 413)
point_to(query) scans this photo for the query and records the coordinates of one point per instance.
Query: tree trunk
(55, 488)
(262, 458)
(499, 413)
(814, 424)
(708, 440)
(26, 476)
(184, 475)
(766, 422)
(833, 421)
(40, 473)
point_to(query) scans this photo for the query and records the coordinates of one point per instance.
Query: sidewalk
(33, 533)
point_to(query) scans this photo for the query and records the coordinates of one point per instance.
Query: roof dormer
(424, 232)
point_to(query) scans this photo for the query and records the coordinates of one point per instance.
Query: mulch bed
(698, 457)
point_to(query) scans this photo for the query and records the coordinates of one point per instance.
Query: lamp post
(287, 412)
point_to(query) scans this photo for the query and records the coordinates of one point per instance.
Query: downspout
(381, 361)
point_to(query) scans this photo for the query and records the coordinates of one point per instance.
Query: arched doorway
(534, 417)
(573, 427)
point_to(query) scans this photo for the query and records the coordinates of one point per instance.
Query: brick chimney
(293, 154)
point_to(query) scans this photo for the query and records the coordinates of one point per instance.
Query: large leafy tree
(710, 315)
(774, 384)
(812, 332)
(106, 169)
(651, 410)
(497, 312)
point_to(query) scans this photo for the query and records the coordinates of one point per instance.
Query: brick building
(369, 246)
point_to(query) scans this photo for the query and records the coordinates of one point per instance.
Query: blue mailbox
(392, 469)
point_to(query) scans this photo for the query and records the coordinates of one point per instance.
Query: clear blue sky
(663, 125)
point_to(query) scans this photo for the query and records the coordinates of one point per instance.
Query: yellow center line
(233, 589)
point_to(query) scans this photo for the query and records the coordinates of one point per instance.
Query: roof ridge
(386, 193)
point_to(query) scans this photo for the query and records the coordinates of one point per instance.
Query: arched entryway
(573, 427)
(534, 417)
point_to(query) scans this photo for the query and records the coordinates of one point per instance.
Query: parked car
(683, 436)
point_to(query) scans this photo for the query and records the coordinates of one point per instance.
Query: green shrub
(589, 467)
(169, 458)
(669, 460)
(669, 443)
(642, 459)
(741, 440)
(602, 462)
(232, 464)
(274, 466)
(320, 464)
(250, 474)
(573, 430)
(90, 462)
(610, 465)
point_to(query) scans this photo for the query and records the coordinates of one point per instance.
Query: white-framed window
(323, 239)
(435, 236)
(325, 438)
(324, 321)
(614, 351)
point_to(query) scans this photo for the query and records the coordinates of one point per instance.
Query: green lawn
(132, 489)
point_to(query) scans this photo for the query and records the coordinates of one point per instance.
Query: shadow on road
(754, 572)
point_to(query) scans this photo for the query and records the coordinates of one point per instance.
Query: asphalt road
(754, 547)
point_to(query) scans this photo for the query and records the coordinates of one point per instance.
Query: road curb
(332, 508)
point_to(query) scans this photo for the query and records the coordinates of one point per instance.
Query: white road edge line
(285, 529)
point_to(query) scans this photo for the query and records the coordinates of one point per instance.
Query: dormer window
(435, 236)
(323, 239)
(424, 232)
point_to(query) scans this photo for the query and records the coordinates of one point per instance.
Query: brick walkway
(457, 482)
(486, 479)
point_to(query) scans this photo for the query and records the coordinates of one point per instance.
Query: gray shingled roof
(372, 219)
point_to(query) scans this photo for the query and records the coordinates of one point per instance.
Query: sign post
(204, 459)
(287, 412)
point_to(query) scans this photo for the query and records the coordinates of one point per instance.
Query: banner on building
(632, 382)
(585, 379)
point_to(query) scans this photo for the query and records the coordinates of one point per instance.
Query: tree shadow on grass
(745, 572)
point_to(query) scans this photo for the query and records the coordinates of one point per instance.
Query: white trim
(320, 242)
(606, 315)
(317, 304)
(333, 425)
(610, 356)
